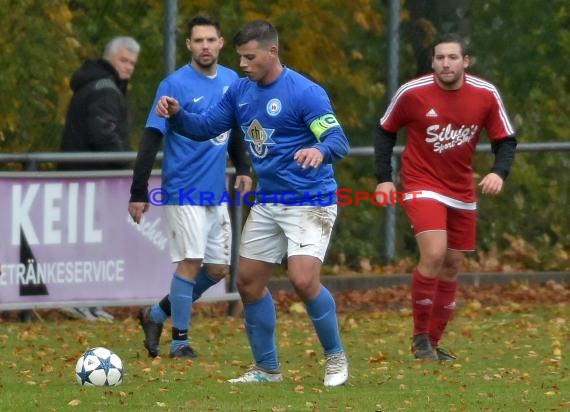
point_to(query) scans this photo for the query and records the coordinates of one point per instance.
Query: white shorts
(271, 231)
(199, 232)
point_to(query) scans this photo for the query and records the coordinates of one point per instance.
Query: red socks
(442, 310)
(423, 291)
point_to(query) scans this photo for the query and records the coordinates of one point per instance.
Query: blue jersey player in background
(293, 138)
(198, 234)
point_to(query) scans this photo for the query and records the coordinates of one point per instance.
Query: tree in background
(523, 47)
(38, 52)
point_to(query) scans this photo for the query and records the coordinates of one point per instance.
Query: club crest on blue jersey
(258, 138)
(273, 107)
(221, 138)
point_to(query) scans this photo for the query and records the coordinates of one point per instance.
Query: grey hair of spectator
(121, 42)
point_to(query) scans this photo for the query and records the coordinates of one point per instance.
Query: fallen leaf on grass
(298, 308)
(297, 378)
(475, 306)
(377, 359)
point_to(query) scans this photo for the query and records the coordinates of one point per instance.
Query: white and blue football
(99, 367)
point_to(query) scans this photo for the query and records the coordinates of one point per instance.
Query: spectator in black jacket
(98, 117)
(98, 120)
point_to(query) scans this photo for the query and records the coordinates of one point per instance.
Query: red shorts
(460, 225)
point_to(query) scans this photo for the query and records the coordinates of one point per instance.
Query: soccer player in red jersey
(444, 113)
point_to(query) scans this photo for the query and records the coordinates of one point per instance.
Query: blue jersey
(277, 120)
(193, 171)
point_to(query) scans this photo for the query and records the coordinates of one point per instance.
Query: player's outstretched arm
(197, 126)
(167, 107)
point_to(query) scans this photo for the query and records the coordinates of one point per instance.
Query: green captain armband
(322, 124)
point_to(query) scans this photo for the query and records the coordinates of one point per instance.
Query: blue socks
(158, 313)
(322, 311)
(203, 282)
(181, 305)
(260, 320)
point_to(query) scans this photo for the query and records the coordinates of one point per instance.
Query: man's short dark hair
(202, 20)
(259, 30)
(451, 38)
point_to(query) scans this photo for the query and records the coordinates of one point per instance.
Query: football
(99, 367)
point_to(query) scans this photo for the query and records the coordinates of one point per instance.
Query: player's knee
(243, 283)
(249, 287)
(451, 268)
(218, 271)
(433, 259)
(305, 287)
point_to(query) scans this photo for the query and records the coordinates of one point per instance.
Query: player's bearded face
(449, 64)
(205, 45)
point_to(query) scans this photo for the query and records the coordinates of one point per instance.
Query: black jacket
(98, 117)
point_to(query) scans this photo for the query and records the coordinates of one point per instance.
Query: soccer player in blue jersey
(293, 138)
(200, 234)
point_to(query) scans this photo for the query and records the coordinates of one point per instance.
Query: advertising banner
(67, 239)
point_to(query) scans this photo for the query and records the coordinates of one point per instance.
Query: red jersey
(443, 127)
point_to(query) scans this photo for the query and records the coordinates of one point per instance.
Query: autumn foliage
(523, 48)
